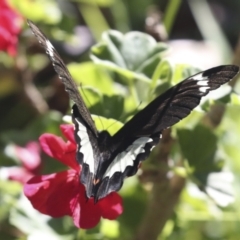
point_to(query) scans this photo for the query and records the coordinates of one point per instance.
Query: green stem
(133, 93)
(210, 28)
(170, 14)
(94, 19)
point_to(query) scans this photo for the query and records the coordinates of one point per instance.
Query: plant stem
(170, 14)
(164, 196)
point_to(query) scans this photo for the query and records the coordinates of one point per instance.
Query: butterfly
(107, 160)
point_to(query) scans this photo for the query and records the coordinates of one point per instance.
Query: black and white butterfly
(106, 160)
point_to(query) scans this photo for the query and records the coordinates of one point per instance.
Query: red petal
(76, 214)
(90, 213)
(111, 206)
(10, 23)
(18, 174)
(68, 132)
(55, 147)
(53, 194)
(29, 156)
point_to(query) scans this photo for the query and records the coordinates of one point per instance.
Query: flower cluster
(10, 27)
(30, 162)
(61, 193)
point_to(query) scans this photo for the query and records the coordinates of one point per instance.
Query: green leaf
(35, 224)
(161, 79)
(101, 3)
(134, 199)
(113, 106)
(9, 191)
(219, 187)
(89, 74)
(163, 71)
(160, 89)
(235, 99)
(229, 131)
(220, 95)
(148, 67)
(199, 147)
(127, 76)
(136, 48)
(110, 228)
(93, 99)
(39, 10)
(48, 123)
(104, 105)
(111, 125)
(131, 55)
(191, 121)
(183, 71)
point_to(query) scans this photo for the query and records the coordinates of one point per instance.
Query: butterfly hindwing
(125, 164)
(87, 151)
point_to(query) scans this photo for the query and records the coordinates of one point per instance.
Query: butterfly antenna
(101, 121)
(121, 117)
(111, 124)
(90, 104)
(139, 104)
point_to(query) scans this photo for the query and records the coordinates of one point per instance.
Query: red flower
(29, 156)
(9, 28)
(62, 193)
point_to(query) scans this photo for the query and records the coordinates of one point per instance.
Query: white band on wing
(127, 157)
(85, 146)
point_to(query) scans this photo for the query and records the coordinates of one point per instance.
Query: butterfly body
(104, 166)
(107, 160)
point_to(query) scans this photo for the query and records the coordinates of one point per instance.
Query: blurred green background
(190, 186)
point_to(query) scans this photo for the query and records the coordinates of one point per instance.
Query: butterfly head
(104, 137)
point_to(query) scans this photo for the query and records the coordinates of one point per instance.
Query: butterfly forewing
(175, 104)
(106, 160)
(64, 75)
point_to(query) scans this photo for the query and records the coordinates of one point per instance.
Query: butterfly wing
(175, 104)
(135, 140)
(65, 76)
